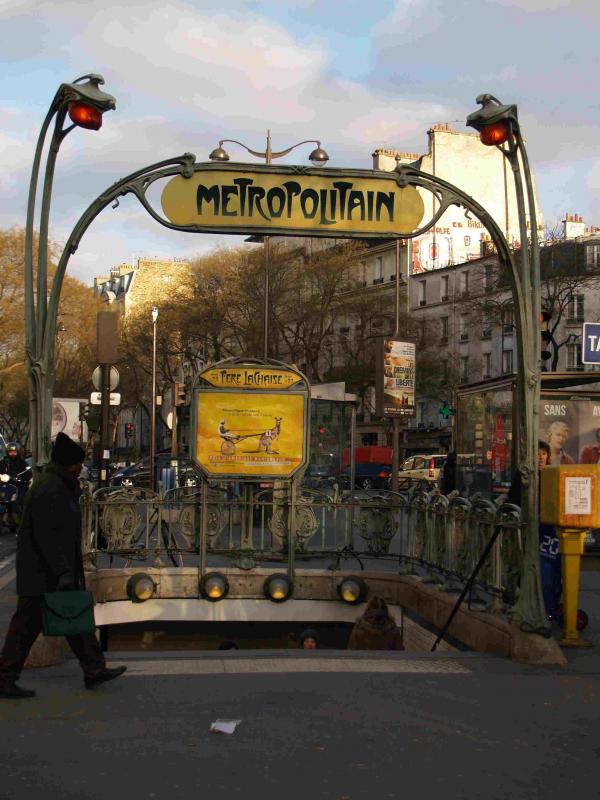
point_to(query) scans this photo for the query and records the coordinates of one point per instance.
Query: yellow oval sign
(353, 204)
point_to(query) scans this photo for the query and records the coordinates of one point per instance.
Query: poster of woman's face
(572, 430)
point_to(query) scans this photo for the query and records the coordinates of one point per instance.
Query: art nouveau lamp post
(84, 103)
(498, 126)
(318, 157)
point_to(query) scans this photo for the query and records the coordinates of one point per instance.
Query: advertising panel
(396, 379)
(572, 429)
(250, 421)
(65, 418)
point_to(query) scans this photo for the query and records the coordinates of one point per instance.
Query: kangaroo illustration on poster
(270, 436)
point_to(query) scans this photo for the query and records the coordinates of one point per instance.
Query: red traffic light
(496, 133)
(545, 316)
(322, 430)
(85, 116)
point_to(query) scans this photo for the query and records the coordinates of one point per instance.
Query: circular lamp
(84, 115)
(140, 587)
(278, 588)
(496, 133)
(352, 590)
(214, 586)
(318, 156)
(219, 154)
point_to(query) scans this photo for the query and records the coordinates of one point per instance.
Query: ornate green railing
(438, 539)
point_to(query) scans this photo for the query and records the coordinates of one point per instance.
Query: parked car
(370, 476)
(139, 474)
(422, 467)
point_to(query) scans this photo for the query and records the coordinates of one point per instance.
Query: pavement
(322, 724)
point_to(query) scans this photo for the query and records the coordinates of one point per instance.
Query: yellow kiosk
(570, 501)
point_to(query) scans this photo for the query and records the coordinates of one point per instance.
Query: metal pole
(105, 425)
(352, 451)
(153, 403)
(395, 420)
(266, 323)
(267, 241)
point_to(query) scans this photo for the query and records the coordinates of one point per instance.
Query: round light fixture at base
(214, 586)
(278, 587)
(140, 587)
(352, 590)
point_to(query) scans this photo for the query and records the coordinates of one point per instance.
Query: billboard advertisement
(572, 429)
(65, 418)
(396, 379)
(244, 431)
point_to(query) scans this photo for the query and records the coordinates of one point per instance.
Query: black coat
(49, 540)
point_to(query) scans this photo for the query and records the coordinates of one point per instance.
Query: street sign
(591, 343)
(96, 398)
(97, 378)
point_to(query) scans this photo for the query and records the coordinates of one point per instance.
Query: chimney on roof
(573, 226)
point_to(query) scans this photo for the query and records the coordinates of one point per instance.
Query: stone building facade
(483, 173)
(144, 283)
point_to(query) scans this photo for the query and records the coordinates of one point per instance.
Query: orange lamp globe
(85, 116)
(496, 133)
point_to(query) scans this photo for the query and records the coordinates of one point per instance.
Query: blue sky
(357, 75)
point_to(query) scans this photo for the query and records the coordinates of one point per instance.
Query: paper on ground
(224, 725)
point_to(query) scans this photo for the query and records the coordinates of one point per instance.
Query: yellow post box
(570, 500)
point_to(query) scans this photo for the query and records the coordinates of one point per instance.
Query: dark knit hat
(66, 452)
(309, 633)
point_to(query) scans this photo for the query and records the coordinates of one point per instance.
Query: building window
(433, 251)
(508, 320)
(464, 327)
(592, 256)
(486, 328)
(378, 269)
(464, 283)
(575, 313)
(464, 369)
(445, 288)
(574, 356)
(445, 328)
(422, 293)
(467, 241)
(487, 365)
(507, 361)
(488, 278)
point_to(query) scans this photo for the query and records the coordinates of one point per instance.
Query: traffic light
(84, 408)
(129, 430)
(178, 393)
(545, 352)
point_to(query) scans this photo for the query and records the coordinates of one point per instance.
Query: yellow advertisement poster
(243, 433)
(398, 378)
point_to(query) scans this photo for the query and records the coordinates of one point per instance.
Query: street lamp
(498, 126)
(85, 103)
(318, 157)
(153, 417)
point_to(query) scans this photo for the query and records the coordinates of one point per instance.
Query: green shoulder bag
(68, 613)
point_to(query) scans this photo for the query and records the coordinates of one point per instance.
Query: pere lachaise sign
(292, 200)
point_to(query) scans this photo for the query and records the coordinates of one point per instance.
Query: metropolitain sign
(292, 200)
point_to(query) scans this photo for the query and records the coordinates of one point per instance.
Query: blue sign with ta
(591, 343)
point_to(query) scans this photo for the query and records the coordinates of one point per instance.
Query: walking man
(49, 559)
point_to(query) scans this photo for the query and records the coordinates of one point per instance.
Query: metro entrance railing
(420, 532)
